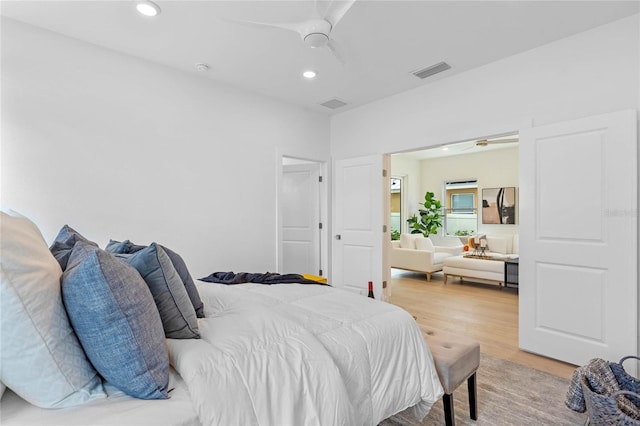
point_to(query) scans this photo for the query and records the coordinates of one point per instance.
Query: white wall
(590, 73)
(492, 168)
(118, 147)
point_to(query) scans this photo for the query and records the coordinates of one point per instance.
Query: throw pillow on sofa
(42, 360)
(498, 244)
(407, 241)
(424, 244)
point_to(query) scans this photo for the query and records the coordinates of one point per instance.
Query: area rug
(508, 394)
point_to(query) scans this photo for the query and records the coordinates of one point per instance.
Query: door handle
(338, 237)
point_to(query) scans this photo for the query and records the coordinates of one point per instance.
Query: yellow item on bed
(322, 280)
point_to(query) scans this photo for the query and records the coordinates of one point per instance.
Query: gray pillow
(189, 285)
(64, 242)
(124, 247)
(117, 323)
(178, 316)
(127, 247)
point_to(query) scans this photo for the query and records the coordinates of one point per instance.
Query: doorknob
(338, 237)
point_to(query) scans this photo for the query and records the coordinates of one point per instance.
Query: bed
(286, 354)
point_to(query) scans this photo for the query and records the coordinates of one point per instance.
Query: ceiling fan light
(147, 8)
(314, 40)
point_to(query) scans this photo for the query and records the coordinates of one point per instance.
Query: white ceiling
(462, 148)
(384, 41)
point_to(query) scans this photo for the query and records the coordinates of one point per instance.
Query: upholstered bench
(457, 359)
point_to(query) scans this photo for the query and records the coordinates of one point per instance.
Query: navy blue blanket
(267, 278)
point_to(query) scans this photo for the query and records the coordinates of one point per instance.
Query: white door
(300, 204)
(578, 258)
(357, 224)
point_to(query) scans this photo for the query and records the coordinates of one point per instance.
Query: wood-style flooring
(484, 312)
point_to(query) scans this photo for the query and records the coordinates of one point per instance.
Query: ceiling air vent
(333, 103)
(433, 69)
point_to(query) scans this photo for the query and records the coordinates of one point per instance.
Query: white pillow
(42, 360)
(407, 241)
(498, 245)
(424, 244)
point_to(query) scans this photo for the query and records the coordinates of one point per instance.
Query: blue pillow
(127, 247)
(117, 323)
(124, 247)
(189, 285)
(64, 242)
(178, 316)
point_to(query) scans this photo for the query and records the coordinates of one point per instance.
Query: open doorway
(457, 174)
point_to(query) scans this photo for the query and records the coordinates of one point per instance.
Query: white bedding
(118, 409)
(303, 355)
(275, 355)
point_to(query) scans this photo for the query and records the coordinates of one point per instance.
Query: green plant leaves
(430, 217)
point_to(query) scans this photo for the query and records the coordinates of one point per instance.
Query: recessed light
(445, 148)
(309, 74)
(147, 8)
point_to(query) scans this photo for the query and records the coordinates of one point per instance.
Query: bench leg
(449, 415)
(473, 406)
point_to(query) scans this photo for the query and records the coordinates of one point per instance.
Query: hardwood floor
(482, 311)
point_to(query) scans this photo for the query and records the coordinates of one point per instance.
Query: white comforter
(295, 354)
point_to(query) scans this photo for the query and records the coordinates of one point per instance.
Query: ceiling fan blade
(337, 51)
(486, 142)
(283, 26)
(499, 141)
(321, 7)
(337, 10)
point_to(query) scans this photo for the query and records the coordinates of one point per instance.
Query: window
(464, 203)
(396, 208)
(461, 210)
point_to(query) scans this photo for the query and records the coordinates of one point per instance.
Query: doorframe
(324, 213)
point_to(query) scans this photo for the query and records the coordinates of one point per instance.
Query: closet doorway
(300, 217)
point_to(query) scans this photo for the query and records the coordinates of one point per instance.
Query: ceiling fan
(485, 142)
(481, 143)
(316, 31)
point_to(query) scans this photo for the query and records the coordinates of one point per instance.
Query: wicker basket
(614, 409)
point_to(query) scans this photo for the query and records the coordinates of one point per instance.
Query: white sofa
(498, 246)
(414, 252)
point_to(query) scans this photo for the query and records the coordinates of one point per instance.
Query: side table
(511, 272)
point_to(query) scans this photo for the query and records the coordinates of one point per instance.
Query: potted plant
(429, 219)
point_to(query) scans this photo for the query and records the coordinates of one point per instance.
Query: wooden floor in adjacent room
(485, 312)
